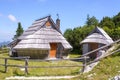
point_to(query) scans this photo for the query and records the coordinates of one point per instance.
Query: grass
(13, 71)
(107, 68)
(74, 55)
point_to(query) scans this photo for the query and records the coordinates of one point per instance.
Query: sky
(72, 13)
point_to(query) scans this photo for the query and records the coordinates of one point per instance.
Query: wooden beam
(100, 48)
(5, 65)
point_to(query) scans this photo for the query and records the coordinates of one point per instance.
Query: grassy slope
(12, 71)
(107, 68)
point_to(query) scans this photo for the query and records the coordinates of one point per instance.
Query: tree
(19, 31)
(110, 24)
(91, 21)
(75, 36)
(116, 20)
(68, 34)
(107, 22)
(115, 33)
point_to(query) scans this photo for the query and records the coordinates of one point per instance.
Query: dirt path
(38, 78)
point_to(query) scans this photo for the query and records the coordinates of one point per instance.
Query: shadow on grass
(2, 71)
(76, 72)
(17, 72)
(115, 54)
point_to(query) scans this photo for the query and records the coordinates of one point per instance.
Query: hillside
(106, 69)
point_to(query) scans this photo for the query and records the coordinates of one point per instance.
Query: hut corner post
(5, 65)
(84, 64)
(26, 66)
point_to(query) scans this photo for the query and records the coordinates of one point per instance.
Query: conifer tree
(19, 31)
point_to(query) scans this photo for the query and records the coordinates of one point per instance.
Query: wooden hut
(43, 39)
(97, 38)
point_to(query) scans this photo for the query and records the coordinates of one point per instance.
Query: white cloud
(12, 18)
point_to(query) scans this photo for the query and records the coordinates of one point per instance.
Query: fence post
(5, 65)
(26, 66)
(84, 64)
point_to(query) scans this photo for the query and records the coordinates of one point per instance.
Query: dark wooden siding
(34, 54)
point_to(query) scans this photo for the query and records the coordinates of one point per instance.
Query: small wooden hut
(43, 39)
(96, 39)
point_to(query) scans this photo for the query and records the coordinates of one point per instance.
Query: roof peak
(101, 31)
(43, 17)
(98, 35)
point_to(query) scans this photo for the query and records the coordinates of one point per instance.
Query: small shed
(96, 39)
(43, 39)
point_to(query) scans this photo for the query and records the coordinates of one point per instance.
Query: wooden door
(53, 50)
(93, 46)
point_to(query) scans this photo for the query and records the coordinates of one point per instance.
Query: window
(48, 24)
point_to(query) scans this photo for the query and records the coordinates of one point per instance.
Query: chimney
(58, 22)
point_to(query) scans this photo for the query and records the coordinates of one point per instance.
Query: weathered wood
(54, 66)
(100, 48)
(81, 59)
(103, 57)
(15, 66)
(15, 57)
(26, 66)
(5, 65)
(84, 63)
(2, 64)
(115, 51)
(33, 54)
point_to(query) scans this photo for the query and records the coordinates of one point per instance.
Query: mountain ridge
(4, 43)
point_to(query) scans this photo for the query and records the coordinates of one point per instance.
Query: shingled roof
(98, 35)
(38, 36)
(37, 25)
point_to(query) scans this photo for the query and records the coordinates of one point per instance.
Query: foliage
(111, 26)
(116, 20)
(76, 35)
(91, 21)
(107, 21)
(68, 34)
(19, 31)
(115, 33)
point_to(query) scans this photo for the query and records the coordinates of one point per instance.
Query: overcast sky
(72, 13)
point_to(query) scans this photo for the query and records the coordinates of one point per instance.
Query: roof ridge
(43, 18)
(99, 31)
(104, 33)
